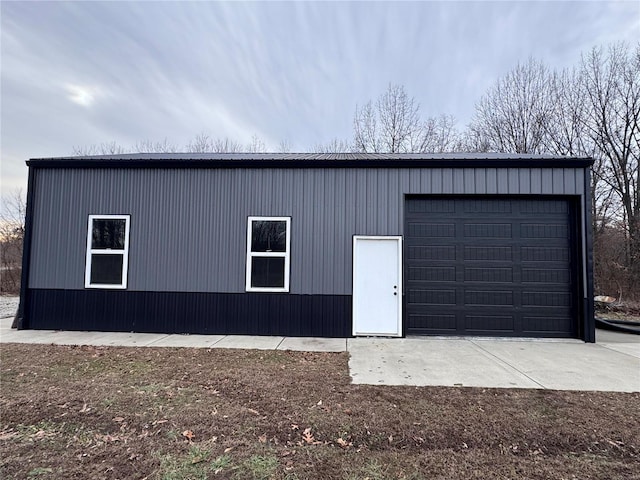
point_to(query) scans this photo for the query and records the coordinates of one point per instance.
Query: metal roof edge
(313, 162)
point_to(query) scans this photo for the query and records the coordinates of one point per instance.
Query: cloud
(82, 95)
(83, 73)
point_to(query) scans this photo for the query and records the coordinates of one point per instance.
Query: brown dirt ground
(172, 413)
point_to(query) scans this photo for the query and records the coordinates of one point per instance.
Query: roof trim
(306, 160)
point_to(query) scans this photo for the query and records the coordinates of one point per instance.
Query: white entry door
(377, 286)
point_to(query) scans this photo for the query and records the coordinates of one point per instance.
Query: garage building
(329, 245)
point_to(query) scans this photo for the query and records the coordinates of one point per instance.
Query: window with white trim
(268, 249)
(107, 251)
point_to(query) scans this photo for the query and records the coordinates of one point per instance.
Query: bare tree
(336, 145)
(512, 115)
(204, 143)
(106, 148)
(284, 146)
(566, 133)
(399, 119)
(256, 145)
(437, 135)
(394, 125)
(149, 146)
(390, 125)
(226, 145)
(365, 129)
(612, 86)
(12, 217)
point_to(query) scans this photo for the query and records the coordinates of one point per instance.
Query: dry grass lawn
(170, 413)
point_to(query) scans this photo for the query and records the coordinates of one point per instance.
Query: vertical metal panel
(524, 181)
(536, 180)
(569, 181)
(503, 180)
(558, 180)
(514, 181)
(547, 181)
(469, 180)
(188, 226)
(458, 181)
(436, 180)
(480, 180)
(492, 180)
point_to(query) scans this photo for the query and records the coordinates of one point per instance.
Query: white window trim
(286, 255)
(99, 251)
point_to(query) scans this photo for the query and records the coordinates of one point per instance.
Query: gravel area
(8, 306)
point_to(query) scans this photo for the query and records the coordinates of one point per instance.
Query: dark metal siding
(491, 265)
(189, 312)
(188, 226)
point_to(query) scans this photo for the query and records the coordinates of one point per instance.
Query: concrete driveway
(611, 364)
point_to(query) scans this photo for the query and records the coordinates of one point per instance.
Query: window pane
(268, 236)
(106, 269)
(267, 272)
(108, 233)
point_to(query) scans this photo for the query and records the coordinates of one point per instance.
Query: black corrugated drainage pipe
(618, 326)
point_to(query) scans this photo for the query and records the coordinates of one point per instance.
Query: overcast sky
(83, 73)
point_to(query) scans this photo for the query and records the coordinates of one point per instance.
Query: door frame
(398, 239)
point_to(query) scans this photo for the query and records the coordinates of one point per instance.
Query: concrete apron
(613, 365)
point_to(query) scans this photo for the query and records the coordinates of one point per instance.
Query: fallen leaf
(294, 427)
(197, 460)
(263, 438)
(188, 434)
(228, 449)
(255, 412)
(118, 419)
(307, 436)
(343, 443)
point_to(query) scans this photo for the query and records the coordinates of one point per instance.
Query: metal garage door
(489, 266)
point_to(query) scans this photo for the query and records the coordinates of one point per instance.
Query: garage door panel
(546, 231)
(432, 274)
(487, 230)
(432, 230)
(544, 206)
(426, 296)
(489, 274)
(447, 205)
(546, 299)
(486, 206)
(479, 323)
(546, 323)
(488, 297)
(489, 267)
(431, 252)
(439, 322)
(545, 254)
(546, 276)
(488, 253)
